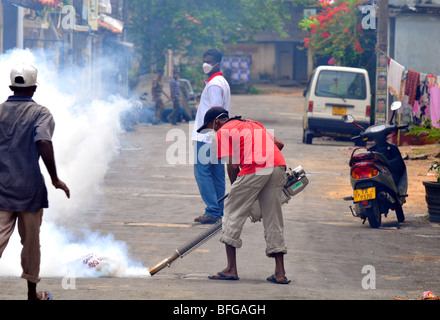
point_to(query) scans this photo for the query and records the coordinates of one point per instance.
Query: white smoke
(85, 141)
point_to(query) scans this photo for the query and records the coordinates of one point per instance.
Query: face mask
(207, 68)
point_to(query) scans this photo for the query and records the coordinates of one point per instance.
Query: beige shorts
(29, 229)
(265, 187)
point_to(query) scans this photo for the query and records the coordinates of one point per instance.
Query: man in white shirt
(209, 172)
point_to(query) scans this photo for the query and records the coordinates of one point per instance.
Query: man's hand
(278, 143)
(233, 170)
(45, 149)
(58, 184)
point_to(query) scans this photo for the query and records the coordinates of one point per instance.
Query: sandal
(274, 280)
(44, 295)
(221, 276)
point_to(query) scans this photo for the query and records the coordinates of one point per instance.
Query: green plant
(427, 130)
(429, 134)
(436, 168)
(336, 31)
(254, 90)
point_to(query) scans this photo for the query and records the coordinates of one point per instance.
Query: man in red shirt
(256, 170)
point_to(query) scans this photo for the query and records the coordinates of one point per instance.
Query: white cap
(24, 75)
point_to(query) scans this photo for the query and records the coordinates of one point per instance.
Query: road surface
(149, 204)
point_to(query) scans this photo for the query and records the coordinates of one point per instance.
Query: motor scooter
(378, 176)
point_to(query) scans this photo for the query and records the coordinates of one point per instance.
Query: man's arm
(278, 143)
(46, 151)
(233, 169)
(215, 94)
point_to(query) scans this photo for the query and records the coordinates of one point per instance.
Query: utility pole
(381, 49)
(382, 26)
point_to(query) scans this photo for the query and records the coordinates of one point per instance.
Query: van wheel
(307, 137)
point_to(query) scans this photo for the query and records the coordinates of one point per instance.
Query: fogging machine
(296, 181)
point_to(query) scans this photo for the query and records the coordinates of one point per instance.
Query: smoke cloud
(85, 142)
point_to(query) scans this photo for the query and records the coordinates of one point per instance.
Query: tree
(336, 32)
(191, 26)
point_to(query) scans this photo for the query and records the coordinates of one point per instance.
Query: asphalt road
(149, 204)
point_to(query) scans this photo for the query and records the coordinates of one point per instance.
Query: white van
(331, 93)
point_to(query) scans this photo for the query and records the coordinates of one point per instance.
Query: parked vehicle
(188, 98)
(331, 93)
(378, 176)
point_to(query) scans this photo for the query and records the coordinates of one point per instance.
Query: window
(342, 84)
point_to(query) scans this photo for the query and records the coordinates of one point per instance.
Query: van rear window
(342, 84)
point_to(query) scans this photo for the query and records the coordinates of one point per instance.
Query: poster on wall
(381, 102)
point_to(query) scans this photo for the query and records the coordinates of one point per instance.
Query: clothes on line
(419, 92)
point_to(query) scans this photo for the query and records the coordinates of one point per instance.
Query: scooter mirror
(396, 105)
(348, 118)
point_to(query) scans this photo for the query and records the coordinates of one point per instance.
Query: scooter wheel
(374, 216)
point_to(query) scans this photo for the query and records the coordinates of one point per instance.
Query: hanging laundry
(411, 85)
(431, 80)
(434, 93)
(395, 74)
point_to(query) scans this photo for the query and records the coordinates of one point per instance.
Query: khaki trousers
(29, 230)
(264, 186)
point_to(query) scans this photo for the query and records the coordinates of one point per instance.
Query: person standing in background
(156, 92)
(175, 97)
(209, 171)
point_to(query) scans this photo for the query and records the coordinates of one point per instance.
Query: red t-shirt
(250, 145)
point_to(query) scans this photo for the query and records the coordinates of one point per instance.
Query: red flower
(357, 46)
(306, 42)
(325, 34)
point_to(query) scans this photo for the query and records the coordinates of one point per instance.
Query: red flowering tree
(336, 32)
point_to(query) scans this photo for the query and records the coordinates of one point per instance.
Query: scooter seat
(368, 156)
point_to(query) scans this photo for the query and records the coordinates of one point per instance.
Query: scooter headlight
(363, 172)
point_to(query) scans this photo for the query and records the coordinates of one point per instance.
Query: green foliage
(192, 26)
(427, 130)
(436, 168)
(430, 134)
(336, 32)
(255, 90)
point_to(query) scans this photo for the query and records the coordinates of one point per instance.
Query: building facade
(72, 33)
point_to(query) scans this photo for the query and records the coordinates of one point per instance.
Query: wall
(263, 58)
(416, 42)
(263, 62)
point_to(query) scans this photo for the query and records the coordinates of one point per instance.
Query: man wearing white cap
(26, 130)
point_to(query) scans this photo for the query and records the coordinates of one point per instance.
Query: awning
(110, 23)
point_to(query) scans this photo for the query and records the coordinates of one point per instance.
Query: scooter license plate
(364, 194)
(340, 111)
